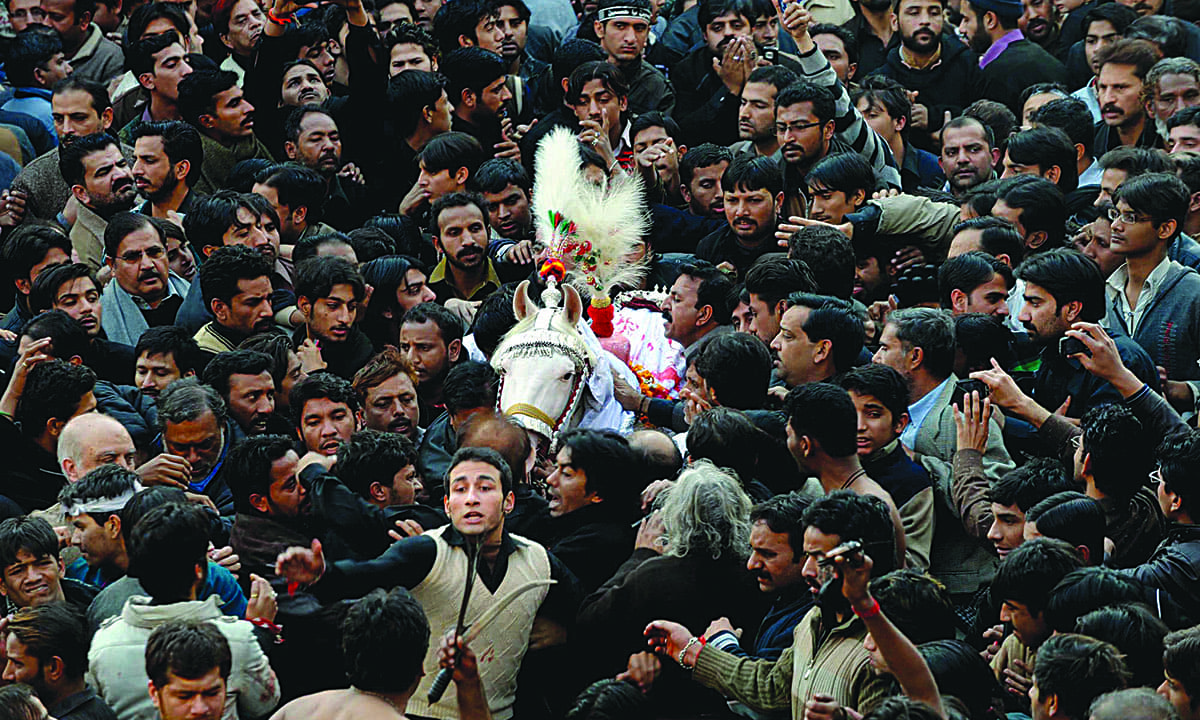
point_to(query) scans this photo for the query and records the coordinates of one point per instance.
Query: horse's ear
(523, 307)
(572, 304)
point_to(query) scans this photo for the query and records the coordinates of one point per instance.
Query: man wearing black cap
(623, 27)
(1010, 63)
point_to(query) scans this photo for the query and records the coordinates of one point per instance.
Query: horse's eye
(567, 377)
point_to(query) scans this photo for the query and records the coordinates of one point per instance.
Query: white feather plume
(592, 229)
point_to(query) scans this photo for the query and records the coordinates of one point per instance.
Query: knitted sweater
(1169, 330)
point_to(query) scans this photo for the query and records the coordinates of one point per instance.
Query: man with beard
(144, 293)
(1010, 63)
(236, 286)
(1173, 84)
(325, 412)
(239, 24)
(756, 114)
(710, 78)
(938, 68)
(212, 102)
(525, 72)
(700, 172)
(431, 340)
(623, 28)
(459, 224)
(506, 188)
(479, 494)
(158, 62)
(102, 184)
(73, 289)
(387, 392)
(329, 293)
(753, 189)
(313, 140)
(197, 433)
(828, 640)
(1120, 88)
(166, 160)
(476, 86)
(244, 381)
(162, 356)
(1040, 23)
(296, 194)
(969, 155)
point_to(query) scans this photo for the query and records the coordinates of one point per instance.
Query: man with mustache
(235, 284)
(623, 28)
(1009, 61)
(244, 381)
(753, 189)
(1040, 24)
(329, 295)
(325, 412)
(459, 223)
(102, 184)
(431, 340)
(387, 391)
(314, 141)
(213, 103)
(525, 72)
(940, 70)
(239, 25)
(1173, 84)
(476, 86)
(1120, 91)
(296, 194)
(166, 160)
(144, 293)
(163, 355)
(506, 187)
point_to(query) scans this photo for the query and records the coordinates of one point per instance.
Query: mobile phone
(771, 55)
(848, 548)
(1068, 346)
(965, 387)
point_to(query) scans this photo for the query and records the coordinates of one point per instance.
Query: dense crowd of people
(883, 406)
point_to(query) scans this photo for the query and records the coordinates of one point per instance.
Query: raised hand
(301, 565)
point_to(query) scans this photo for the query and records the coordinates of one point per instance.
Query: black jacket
(31, 477)
(592, 541)
(1023, 63)
(952, 84)
(1175, 568)
(722, 246)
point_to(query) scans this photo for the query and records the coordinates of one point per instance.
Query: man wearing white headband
(93, 506)
(623, 29)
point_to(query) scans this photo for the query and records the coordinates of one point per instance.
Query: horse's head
(543, 363)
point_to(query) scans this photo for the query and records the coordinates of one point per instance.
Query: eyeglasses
(134, 257)
(1077, 442)
(1127, 217)
(1156, 475)
(782, 128)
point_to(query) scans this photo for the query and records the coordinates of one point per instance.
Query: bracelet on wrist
(279, 20)
(683, 653)
(869, 612)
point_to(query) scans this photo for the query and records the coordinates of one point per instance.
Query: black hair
(53, 390)
(570, 55)
(317, 386)
(296, 186)
(180, 142)
(139, 57)
(28, 52)
(470, 385)
(709, 10)
(67, 337)
(1136, 632)
(1075, 670)
(847, 36)
(456, 200)
(309, 247)
(887, 93)
(773, 279)
(1167, 37)
(995, 116)
(968, 271)
(958, 670)
(498, 173)
(747, 173)
(145, 501)
(652, 119)
(997, 236)
(608, 464)
(851, 516)
(235, 362)
(370, 244)
(1086, 589)
(28, 246)
(30, 533)
(187, 649)
(846, 172)
(141, 18)
(702, 156)
(737, 367)
(1073, 517)
(197, 92)
(124, 224)
(471, 69)
(829, 255)
(1046, 147)
(106, 481)
(825, 413)
(1069, 276)
(917, 604)
(607, 73)
(493, 319)
(1135, 161)
(384, 639)
(295, 118)
(1181, 660)
(1027, 485)
(410, 92)
(1041, 206)
(449, 325)
(1178, 459)
(979, 338)
(1116, 14)
(172, 340)
(715, 289)
(97, 91)
(165, 548)
(1121, 449)
(316, 277)
(822, 99)
(275, 343)
(1030, 572)
(388, 275)
(247, 467)
(832, 319)
(54, 630)
(1072, 116)
(72, 154)
(451, 151)
(728, 439)
(370, 456)
(610, 698)
(483, 455)
(407, 33)
(221, 272)
(211, 216)
(777, 76)
(881, 382)
(1162, 196)
(784, 513)
(455, 19)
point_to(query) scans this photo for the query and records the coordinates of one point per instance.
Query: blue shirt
(917, 412)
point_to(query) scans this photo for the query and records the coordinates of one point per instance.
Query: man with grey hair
(1132, 704)
(196, 436)
(1172, 85)
(91, 440)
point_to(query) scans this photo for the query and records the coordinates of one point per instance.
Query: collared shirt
(1000, 46)
(83, 705)
(917, 412)
(907, 59)
(1092, 175)
(1087, 94)
(1115, 289)
(441, 285)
